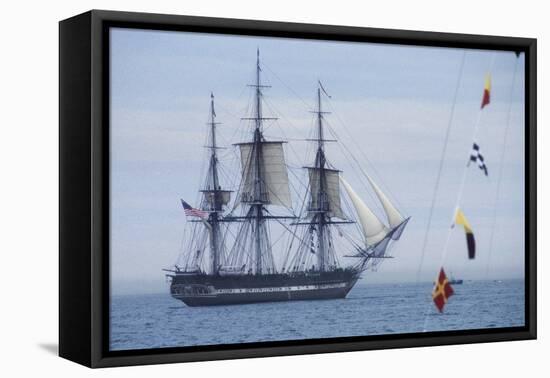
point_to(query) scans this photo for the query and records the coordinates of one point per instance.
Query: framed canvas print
(234, 188)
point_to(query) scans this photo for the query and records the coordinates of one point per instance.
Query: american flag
(192, 212)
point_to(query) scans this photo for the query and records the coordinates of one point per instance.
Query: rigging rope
(500, 170)
(464, 176)
(287, 87)
(362, 176)
(372, 167)
(497, 194)
(440, 168)
(460, 193)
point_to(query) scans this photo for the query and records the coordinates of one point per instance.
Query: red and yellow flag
(442, 291)
(486, 92)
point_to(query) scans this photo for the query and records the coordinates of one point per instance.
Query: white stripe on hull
(279, 289)
(210, 296)
(212, 291)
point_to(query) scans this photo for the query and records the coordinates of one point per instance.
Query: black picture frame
(84, 187)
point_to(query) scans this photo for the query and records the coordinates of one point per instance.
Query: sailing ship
(235, 233)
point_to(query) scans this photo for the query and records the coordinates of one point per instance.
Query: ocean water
(158, 320)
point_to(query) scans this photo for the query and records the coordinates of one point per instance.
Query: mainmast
(257, 195)
(264, 182)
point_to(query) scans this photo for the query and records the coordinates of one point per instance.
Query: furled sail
(273, 172)
(224, 196)
(332, 190)
(394, 217)
(373, 229)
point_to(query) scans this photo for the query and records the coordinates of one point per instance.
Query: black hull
(208, 290)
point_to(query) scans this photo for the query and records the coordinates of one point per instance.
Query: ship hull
(209, 290)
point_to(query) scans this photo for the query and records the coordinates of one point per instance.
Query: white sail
(373, 229)
(332, 190)
(272, 170)
(394, 217)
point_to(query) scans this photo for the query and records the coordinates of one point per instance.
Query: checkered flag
(476, 156)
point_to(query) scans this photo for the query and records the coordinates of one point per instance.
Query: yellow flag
(460, 219)
(486, 99)
(487, 86)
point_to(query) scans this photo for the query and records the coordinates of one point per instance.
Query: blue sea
(158, 320)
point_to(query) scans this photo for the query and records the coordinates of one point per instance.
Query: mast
(324, 210)
(322, 203)
(259, 194)
(214, 194)
(264, 182)
(257, 207)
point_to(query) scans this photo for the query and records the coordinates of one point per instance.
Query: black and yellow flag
(470, 240)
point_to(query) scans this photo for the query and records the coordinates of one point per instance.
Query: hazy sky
(390, 108)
